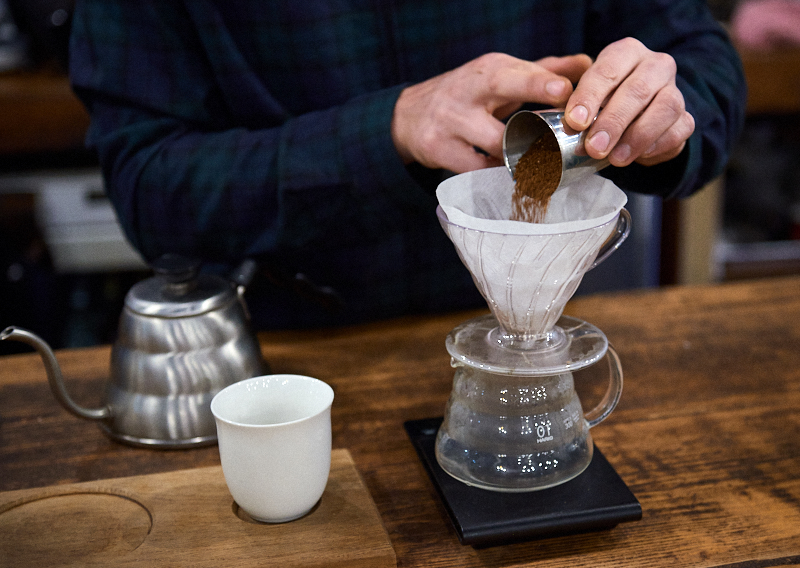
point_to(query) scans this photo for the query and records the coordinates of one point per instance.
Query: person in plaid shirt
(311, 135)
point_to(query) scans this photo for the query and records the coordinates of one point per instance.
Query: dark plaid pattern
(236, 128)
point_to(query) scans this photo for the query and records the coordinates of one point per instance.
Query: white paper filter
(527, 271)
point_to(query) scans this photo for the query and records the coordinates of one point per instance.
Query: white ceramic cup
(275, 444)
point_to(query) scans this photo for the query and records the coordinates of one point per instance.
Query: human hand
(441, 121)
(643, 116)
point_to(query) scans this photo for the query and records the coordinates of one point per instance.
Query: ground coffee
(537, 175)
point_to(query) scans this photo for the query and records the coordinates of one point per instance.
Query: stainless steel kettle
(183, 336)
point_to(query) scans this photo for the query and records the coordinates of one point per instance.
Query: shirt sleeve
(192, 141)
(186, 157)
(709, 75)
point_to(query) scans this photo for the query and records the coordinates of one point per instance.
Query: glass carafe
(514, 421)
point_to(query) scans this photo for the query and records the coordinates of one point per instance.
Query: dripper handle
(616, 238)
(613, 394)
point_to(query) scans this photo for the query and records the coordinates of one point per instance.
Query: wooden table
(707, 434)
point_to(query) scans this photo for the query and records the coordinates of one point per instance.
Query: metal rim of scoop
(526, 127)
(522, 129)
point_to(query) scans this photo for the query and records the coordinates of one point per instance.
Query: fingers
(626, 101)
(572, 66)
(640, 112)
(665, 113)
(485, 132)
(500, 79)
(439, 122)
(614, 65)
(670, 143)
(466, 158)
(455, 147)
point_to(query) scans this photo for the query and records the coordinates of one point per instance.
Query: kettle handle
(241, 278)
(613, 394)
(244, 273)
(54, 376)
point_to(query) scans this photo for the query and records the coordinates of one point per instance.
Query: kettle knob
(179, 273)
(175, 268)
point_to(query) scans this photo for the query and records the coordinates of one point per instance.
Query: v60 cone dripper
(527, 272)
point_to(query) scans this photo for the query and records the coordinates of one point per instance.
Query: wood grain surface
(188, 517)
(706, 434)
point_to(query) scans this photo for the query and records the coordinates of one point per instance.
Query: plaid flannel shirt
(243, 128)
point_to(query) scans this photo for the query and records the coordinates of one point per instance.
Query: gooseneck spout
(54, 373)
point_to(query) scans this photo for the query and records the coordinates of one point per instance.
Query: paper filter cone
(527, 271)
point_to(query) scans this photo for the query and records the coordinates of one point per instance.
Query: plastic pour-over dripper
(528, 271)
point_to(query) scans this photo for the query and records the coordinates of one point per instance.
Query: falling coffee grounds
(537, 176)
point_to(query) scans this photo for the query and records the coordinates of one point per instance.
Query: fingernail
(600, 141)
(650, 150)
(579, 114)
(555, 88)
(622, 152)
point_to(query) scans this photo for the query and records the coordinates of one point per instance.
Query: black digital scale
(597, 499)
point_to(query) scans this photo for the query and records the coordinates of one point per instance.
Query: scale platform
(597, 499)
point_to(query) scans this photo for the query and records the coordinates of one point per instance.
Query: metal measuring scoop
(526, 127)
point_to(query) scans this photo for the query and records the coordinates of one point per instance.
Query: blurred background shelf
(65, 266)
(746, 224)
(773, 80)
(760, 231)
(39, 113)
(737, 261)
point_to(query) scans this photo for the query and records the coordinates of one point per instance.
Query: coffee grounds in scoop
(537, 176)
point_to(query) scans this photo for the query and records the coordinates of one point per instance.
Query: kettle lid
(178, 290)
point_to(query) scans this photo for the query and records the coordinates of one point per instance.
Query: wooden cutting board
(188, 518)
